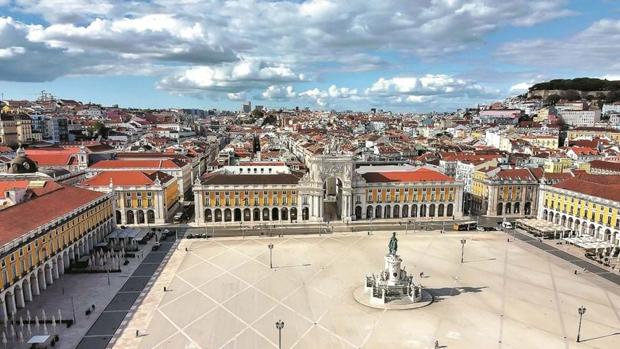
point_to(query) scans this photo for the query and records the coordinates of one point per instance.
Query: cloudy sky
(413, 55)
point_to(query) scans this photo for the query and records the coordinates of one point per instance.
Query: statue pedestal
(392, 267)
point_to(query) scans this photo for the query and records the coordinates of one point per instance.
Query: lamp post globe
(581, 311)
(279, 326)
(270, 256)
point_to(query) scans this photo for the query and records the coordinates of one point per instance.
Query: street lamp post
(581, 310)
(280, 326)
(463, 241)
(270, 256)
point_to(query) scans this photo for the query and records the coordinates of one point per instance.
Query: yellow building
(593, 132)
(504, 191)
(142, 197)
(586, 204)
(542, 141)
(49, 228)
(8, 129)
(224, 197)
(24, 129)
(281, 195)
(558, 165)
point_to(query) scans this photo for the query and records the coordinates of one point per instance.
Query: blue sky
(416, 55)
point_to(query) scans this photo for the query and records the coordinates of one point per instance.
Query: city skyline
(385, 55)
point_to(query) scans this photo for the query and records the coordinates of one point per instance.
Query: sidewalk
(70, 292)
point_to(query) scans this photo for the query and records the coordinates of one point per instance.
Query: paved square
(506, 295)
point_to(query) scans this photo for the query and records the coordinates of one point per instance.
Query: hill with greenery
(579, 84)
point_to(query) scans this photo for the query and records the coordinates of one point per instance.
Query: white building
(581, 117)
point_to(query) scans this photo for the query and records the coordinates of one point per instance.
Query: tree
(98, 129)
(257, 113)
(572, 95)
(552, 99)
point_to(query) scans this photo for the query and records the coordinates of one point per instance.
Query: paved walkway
(583, 264)
(102, 331)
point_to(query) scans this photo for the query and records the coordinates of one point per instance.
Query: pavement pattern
(222, 294)
(111, 319)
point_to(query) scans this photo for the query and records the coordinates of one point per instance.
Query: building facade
(8, 129)
(587, 204)
(332, 190)
(43, 235)
(141, 197)
(504, 192)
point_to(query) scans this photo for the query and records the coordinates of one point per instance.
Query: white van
(178, 217)
(506, 225)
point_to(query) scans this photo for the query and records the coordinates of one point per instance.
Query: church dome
(22, 164)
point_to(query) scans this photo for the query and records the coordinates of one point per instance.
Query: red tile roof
(41, 209)
(126, 178)
(605, 165)
(154, 164)
(10, 185)
(52, 156)
(603, 186)
(421, 174)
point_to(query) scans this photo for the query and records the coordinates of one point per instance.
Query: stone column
(19, 297)
(28, 291)
(48, 276)
(42, 281)
(11, 303)
(35, 284)
(4, 315)
(55, 273)
(66, 262)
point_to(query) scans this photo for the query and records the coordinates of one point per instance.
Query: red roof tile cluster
(605, 165)
(126, 178)
(602, 186)
(53, 156)
(142, 163)
(421, 174)
(10, 185)
(42, 208)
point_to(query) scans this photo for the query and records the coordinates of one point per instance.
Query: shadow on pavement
(445, 292)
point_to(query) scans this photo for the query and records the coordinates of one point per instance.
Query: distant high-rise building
(247, 107)
(373, 110)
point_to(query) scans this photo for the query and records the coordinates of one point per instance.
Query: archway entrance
(332, 199)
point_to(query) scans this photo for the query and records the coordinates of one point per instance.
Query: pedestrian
(575, 271)
(164, 288)
(421, 274)
(436, 344)
(137, 333)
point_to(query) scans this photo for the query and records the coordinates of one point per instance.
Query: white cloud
(274, 92)
(11, 52)
(427, 85)
(594, 48)
(157, 36)
(236, 77)
(520, 87)
(238, 96)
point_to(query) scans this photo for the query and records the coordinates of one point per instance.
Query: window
(149, 194)
(149, 202)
